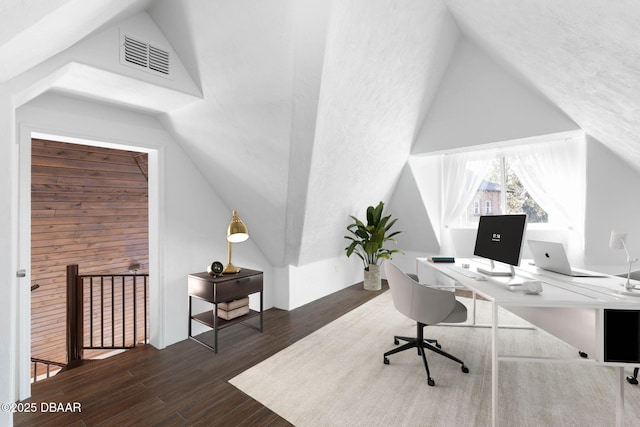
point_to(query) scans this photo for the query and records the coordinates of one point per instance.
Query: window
(544, 178)
(514, 199)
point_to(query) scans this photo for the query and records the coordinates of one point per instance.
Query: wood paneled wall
(89, 206)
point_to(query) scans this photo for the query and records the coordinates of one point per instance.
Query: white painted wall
(409, 208)
(613, 201)
(317, 279)
(103, 51)
(31, 32)
(416, 202)
(582, 55)
(480, 102)
(375, 79)
(239, 136)
(92, 68)
(373, 94)
(8, 256)
(310, 27)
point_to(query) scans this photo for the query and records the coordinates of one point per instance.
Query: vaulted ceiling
(309, 108)
(583, 55)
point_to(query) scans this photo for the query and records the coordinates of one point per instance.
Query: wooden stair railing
(75, 324)
(116, 311)
(114, 291)
(46, 363)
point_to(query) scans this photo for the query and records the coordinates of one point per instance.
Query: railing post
(75, 322)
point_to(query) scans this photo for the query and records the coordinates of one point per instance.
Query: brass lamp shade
(236, 232)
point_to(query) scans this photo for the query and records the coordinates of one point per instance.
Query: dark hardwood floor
(184, 384)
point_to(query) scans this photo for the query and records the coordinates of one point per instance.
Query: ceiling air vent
(140, 54)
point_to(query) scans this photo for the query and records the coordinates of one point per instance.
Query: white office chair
(427, 306)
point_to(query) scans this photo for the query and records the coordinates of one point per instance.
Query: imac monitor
(501, 238)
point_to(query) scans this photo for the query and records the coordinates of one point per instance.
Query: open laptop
(552, 257)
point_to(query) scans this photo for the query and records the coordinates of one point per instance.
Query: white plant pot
(372, 280)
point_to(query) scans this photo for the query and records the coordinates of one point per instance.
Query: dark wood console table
(224, 288)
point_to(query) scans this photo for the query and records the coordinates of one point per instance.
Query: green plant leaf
(370, 219)
(388, 227)
(381, 224)
(351, 248)
(371, 247)
(395, 233)
(357, 222)
(377, 213)
(367, 241)
(377, 238)
(363, 234)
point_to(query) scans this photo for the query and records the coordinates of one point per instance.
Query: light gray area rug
(336, 377)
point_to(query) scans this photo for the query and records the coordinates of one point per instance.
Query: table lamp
(236, 233)
(616, 241)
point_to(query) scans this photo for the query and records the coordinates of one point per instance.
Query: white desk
(572, 309)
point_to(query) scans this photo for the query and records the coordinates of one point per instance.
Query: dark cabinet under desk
(220, 289)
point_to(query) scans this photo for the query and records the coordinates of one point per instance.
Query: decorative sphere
(215, 268)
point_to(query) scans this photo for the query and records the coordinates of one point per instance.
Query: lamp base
(630, 292)
(230, 269)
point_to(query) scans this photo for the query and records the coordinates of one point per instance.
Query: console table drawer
(239, 288)
(226, 287)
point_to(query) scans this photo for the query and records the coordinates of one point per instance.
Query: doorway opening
(90, 208)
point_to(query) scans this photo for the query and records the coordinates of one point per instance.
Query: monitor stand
(493, 271)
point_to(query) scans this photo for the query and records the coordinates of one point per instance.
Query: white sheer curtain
(554, 173)
(462, 175)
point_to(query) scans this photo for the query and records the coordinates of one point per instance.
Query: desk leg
(620, 396)
(494, 364)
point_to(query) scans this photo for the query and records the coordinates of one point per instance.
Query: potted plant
(368, 240)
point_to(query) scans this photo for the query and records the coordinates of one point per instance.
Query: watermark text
(62, 407)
